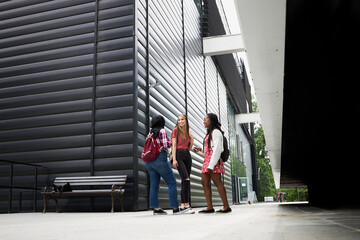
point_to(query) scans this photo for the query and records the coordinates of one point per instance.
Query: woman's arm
(217, 147)
(164, 139)
(197, 149)
(175, 164)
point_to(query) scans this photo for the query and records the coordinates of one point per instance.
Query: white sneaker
(180, 211)
(190, 210)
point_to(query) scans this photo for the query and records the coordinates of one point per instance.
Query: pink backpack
(151, 149)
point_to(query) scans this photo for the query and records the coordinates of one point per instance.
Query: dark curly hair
(215, 124)
(157, 123)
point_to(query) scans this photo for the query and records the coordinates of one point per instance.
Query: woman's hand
(175, 163)
(197, 149)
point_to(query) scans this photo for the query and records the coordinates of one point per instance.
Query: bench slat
(90, 183)
(85, 193)
(93, 177)
(91, 180)
(94, 180)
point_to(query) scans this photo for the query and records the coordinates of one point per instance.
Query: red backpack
(151, 149)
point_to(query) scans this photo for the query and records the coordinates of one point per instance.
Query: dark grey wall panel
(18, 9)
(51, 131)
(45, 109)
(45, 83)
(47, 87)
(142, 111)
(51, 120)
(42, 77)
(50, 97)
(114, 93)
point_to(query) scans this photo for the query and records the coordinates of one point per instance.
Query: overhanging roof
(238, 88)
(262, 25)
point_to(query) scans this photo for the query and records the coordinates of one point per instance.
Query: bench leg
(113, 196)
(46, 198)
(57, 205)
(121, 202)
(112, 202)
(45, 201)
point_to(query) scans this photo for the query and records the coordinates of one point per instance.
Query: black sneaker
(159, 212)
(207, 211)
(180, 211)
(228, 210)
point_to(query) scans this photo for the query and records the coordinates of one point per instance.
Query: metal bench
(92, 186)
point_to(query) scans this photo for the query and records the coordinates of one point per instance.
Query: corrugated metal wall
(223, 117)
(74, 90)
(57, 109)
(183, 87)
(116, 98)
(196, 95)
(166, 64)
(143, 107)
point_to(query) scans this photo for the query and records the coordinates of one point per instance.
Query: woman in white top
(213, 166)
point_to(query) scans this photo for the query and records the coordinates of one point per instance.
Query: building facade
(80, 80)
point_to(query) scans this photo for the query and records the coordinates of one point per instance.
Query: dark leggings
(184, 160)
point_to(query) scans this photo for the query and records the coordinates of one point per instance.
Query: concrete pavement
(257, 221)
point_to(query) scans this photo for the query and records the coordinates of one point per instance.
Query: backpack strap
(221, 152)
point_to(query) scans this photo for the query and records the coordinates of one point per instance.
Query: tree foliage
(266, 182)
(266, 179)
(295, 194)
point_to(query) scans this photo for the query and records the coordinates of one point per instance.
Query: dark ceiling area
(319, 142)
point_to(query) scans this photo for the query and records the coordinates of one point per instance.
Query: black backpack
(226, 153)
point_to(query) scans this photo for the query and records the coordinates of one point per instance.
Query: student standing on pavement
(160, 167)
(182, 143)
(213, 165)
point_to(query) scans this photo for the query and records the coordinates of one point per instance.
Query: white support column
(218, 45)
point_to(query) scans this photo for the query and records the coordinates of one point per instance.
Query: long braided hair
(215, 124)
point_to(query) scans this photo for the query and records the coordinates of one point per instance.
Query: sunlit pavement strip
(255, 221)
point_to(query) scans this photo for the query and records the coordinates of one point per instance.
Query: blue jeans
(160, 167)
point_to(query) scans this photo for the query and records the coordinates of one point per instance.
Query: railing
(11, 187)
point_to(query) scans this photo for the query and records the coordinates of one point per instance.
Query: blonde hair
(187, 134)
